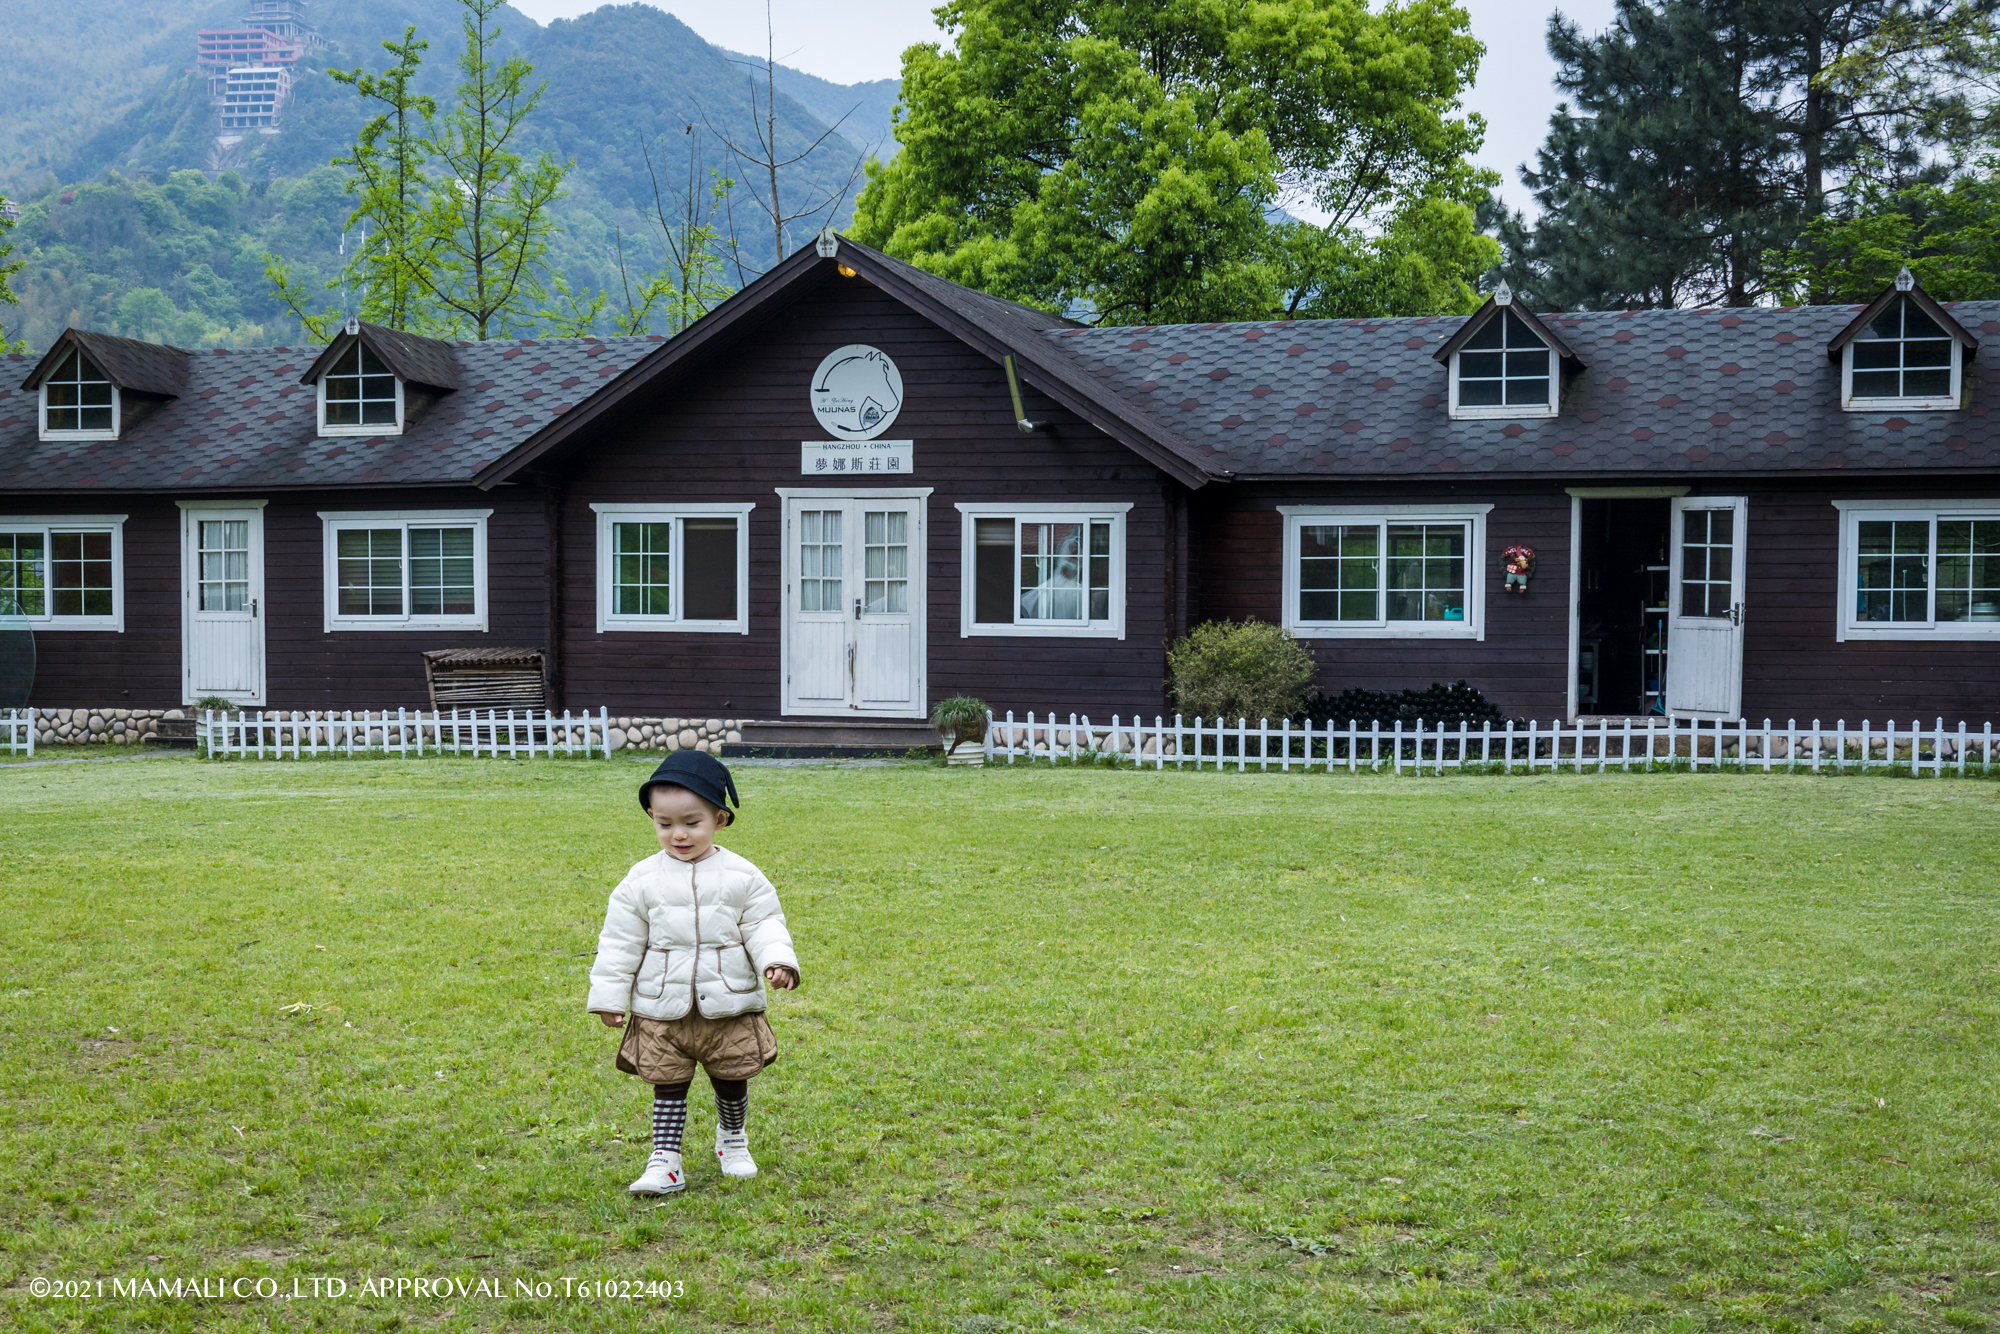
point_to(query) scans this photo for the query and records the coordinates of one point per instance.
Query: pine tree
(1702, 137)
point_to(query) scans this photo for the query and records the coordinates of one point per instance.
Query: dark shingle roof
(1667, 391)
(146, 368)
(418, 360)
(243, 420)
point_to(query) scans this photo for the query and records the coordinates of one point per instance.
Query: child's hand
(612, 1020)
(781, 977)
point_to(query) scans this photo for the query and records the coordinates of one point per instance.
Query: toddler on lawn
(689, 938)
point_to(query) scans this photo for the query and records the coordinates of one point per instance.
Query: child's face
(683, 822)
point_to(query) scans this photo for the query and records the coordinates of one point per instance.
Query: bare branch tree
(766, 157)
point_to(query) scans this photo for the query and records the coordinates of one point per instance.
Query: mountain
(861, 110)
(112, 207)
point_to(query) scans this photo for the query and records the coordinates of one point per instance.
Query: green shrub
(1224, 669)
(960, 718)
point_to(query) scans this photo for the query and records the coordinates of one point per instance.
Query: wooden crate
(487, 678)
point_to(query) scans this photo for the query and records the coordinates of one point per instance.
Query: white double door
(222, 601)
(1705, 606)
(854, 643)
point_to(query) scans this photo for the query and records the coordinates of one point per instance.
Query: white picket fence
(1682, 743)
(306, 734)
(17, 731)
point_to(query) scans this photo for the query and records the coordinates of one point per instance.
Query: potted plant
(958, 719)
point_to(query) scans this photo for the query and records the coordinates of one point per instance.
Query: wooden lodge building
(827, 500)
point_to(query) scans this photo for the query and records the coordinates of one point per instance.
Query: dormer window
(1503, 362)
(1902, 359)
(359, 395)
(79, 400)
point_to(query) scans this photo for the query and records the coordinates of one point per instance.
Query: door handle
(857, 609)
(253, 609)
(1736, 613)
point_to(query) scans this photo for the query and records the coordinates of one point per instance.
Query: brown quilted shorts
(666, 1051)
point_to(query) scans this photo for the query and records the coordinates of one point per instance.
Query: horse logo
(856, 392)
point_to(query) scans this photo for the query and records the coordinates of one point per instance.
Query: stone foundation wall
(671, 734)
(99, 727)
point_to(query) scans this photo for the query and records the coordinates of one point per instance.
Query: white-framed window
(1505, 370)
(405, 569)
(1385, 571)
(1904, 359)
(360, 395)
(1919, 569)
(673, 567)
(1050, 570)
(79, 402)
(64, 571)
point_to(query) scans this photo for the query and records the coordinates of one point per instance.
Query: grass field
(1086, 1050)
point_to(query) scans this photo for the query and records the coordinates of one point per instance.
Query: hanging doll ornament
(1520, 564)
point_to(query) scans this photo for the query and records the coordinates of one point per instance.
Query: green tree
(147, 313)
(1702, 137)
(1948, 235)
(8, 268)
(486, 227)
(1127, 161)
(390, 186)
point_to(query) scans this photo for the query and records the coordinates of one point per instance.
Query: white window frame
(364, 429)
(333, 522)
(1511, 411)
(1950, 403)
(1040, 512)
(117, 411)
(610, 514)
(50, 524)
(1852, 514)
(1472, 516)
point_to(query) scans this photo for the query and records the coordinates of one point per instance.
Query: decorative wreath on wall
(1519, 563)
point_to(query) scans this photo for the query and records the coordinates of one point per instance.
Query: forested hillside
(136, 222)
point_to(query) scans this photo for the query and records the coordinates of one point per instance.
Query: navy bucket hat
(698, 772)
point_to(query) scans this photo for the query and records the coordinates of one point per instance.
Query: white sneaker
(663, 1175)
(732, 1149)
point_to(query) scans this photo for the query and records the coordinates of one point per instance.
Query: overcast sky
(851, 41)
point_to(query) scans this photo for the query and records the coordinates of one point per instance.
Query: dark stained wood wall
(373, 669)
(1522, 665)
(305, 668)
(141, 668)
(731, 432)
(1793, 667)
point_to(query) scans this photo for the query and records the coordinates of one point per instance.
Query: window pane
(819, 560)
(23, 578)
(1100, 571)
(709, 575)
(1926, 384)
(441, 572)
(1490, 334)
(1338, 572)
(1051, 584)
(641, 569)
(1892, 571)
(369, 571)
(78, 397)
(1481, 365)
(993, 571)
(1902, 354)
(1425, 572)
(885, 562)
(1968, 570)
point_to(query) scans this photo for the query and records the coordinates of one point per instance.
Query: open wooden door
(1705, 620)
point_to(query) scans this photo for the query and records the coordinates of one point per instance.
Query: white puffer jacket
(677, 932)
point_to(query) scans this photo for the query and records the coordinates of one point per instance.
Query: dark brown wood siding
(140, 668)
(1521, 665)
(1793, 663)
(731, 434)
(307, 668)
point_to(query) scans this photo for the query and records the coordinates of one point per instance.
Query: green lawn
(1090, 1050)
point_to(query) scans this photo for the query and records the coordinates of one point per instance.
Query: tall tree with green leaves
(487, 224)
(8, 268)
(1701, 137)
(387, 177)
(1129, 162)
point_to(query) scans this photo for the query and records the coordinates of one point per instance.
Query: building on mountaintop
(250, 69)
(856, 488)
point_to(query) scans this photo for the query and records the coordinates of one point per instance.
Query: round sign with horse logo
(856, 392)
